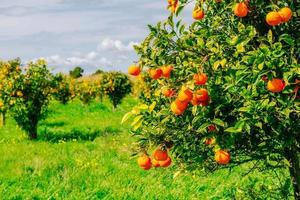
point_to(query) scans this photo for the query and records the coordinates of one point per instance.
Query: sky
(93, 34)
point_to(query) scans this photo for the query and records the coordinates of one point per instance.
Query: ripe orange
(166, 71)
(285, 14)
(240, 9)
(173, 4)
(276, 85)
(273, 18)
(211, 128)
(134, 70)
(178, 107)
(155, 163)
(198, 14)
(144, 162)
(160, 155)
(200, 79)
(202, 95)
(175, 109)
(165, 163)
(155, 73)
(210, 141)
(168, 92)
(185, 95)
(195, 101)
(222, 157)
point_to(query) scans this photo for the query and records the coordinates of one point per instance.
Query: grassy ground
(84, 153)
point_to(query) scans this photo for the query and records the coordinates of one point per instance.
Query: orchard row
(25, 92)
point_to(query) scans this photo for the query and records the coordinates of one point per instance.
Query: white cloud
(111, 45)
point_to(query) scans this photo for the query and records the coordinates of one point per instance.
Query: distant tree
(76, 72)
(98, 71)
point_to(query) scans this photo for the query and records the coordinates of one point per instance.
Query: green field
(85, 153)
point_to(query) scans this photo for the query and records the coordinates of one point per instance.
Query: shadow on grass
(53, 124)
(75, 134)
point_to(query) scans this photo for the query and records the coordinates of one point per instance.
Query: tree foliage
(240, 56)
(116, 86)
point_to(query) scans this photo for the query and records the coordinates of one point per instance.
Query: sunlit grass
(69, 167)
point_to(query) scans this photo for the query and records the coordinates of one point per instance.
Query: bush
(36, 84)
(10, 87)
(251, 106)
(116, 86)
(76, 72)
(62, 91)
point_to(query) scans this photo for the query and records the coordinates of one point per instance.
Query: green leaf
(126, 117)
(261, 66)
(138, 125)
(152, 106)
(136, 120)
(270, 36)
(218, 122)
(240, 48)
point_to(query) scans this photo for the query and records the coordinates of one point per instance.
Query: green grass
(84, 153)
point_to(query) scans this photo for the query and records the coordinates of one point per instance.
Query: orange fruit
(155, 163)
(160, 155)
(285, 14)
(276, 85)
(210, 141)
(144, 162)
(222, 157)
(165, 163)
(166, 71)
(195, 101)
(273, 18)
(211, 128)
(134, 70)
(240, 9)
(168, 92)
(200, 79)
(173, 5)
(198, 14)
(202, 95)
(175, 109)
(155, 73)
(185, 95)
(178, 107)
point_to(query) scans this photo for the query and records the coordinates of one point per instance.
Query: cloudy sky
(94, 34)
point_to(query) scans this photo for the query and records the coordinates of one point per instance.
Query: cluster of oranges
(164, 71)
(160, 158)
(241, 10)
(186, 96)
(273, 18)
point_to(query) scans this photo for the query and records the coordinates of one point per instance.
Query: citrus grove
(26, 91)
(223, 90)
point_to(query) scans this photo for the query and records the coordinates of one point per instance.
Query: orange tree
(230, 95)
(62, 92)
(36, 85)
(9, 85)
(85, 90)
(116, 86)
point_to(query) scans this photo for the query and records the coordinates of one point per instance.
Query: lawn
(85, 153)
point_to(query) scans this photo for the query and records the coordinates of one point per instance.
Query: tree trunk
(33, 135)
(294, 168)
(3, 119)
(33, 131)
